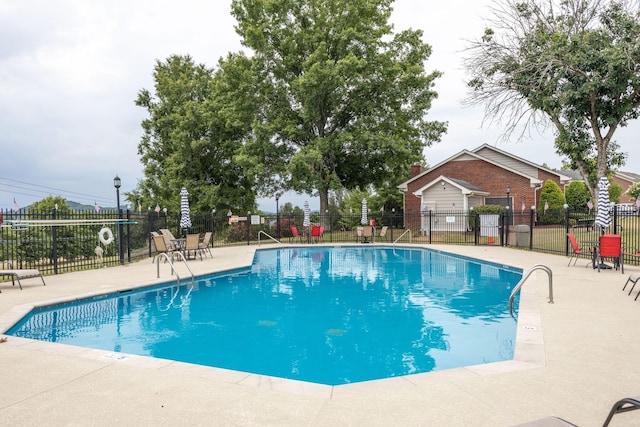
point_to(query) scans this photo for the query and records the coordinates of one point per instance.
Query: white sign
(255, 219)
(489, 224)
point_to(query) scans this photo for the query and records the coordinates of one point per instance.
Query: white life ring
(105, 239)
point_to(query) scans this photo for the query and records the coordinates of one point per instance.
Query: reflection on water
(321, 314)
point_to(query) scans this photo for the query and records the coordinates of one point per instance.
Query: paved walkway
(575, 358)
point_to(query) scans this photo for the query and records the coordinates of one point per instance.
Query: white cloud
(71, 70)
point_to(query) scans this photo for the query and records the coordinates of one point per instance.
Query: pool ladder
(524, 278)
(173, 268)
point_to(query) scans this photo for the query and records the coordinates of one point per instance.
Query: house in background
(473, 178)
(626, 180)
(623, 179)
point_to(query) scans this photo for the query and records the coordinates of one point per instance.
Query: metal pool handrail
(272, 238)
(173, 268)
(524, 278)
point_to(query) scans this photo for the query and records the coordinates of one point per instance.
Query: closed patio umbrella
(306, 222)
(185, 212)
(603, 217)
(364, 220)
(307, 215)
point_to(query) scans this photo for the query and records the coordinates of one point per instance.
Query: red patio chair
(317, 232)
(610, 246)
(294, 233)
(575, 247)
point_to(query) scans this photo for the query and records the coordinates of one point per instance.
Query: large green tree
(191, 135)
(340, 99)
(572, 63)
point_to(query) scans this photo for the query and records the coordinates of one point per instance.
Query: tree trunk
(324, 208)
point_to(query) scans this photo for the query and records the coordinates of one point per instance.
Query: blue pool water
(330, 315)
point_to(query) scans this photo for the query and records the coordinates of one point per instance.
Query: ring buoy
(105, 235)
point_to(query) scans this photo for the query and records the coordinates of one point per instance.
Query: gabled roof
(574, 175)
(464, 186)
(533, 180)
(628, 176)
(513, 156)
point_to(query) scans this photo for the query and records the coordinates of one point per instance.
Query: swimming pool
(330, 315)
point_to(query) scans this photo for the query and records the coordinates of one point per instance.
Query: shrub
(551, 196)
(490, 209)
(577, 195)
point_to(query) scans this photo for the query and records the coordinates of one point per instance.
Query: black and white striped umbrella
(603, 217)
(185, 212)
(364, 220)
(307, 215)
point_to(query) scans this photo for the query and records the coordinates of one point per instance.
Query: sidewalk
(589, 361)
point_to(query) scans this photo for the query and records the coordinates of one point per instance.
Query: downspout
(535, 194)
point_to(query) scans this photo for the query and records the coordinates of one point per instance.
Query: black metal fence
(56, 244)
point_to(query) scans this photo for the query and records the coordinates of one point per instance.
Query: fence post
(128, 235)
(476, 228)
(149, 229)
(54, 234)
(248, 222)
(531, 223)
(213, 227)
(506, 225)
(120, 239)
(566, 222)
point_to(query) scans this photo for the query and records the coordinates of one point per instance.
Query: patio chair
(204, 245)
(576, 251)
(17, 274)
(621, 406)
(192, 245)
(295, 234)
(632, 279)
(161, 248)
(383, 232)
(168, 238)
(316, 232)
(367, 234)
(359, 234)
(610, 246)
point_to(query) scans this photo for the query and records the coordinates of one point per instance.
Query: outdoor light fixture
(117, 183)
(442, 183)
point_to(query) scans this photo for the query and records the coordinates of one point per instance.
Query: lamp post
(393, 221)
(213, 226)
(278, 194)
(117, 183)
(248, 221)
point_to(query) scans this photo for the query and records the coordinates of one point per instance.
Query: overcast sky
(70, 71)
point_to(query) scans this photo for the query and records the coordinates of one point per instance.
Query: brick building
(626, 180)
(476, 177)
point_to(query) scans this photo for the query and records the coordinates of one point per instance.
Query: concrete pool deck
(574, 359)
